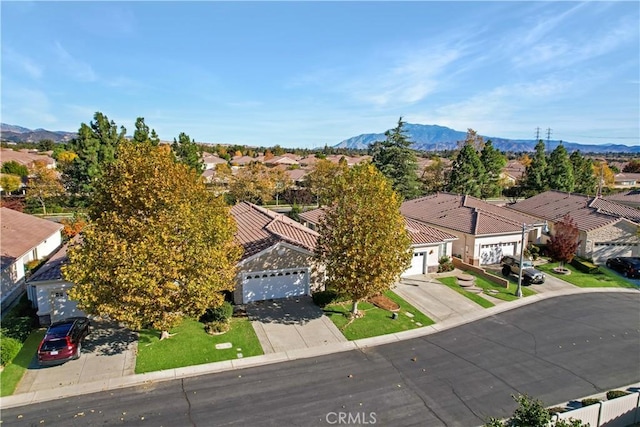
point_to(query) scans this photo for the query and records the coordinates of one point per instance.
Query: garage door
(264, 285)
(492, 254)
(63, 307)
(417, 264)
(605, 250)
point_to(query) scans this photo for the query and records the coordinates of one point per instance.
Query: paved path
(291, 324)
(108, 352)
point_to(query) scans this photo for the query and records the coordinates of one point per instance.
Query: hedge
(612, 394)
(9, 348)
(217, 314)
(584, 265)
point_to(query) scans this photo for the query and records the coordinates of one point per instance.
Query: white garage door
(417, 264)
(263, 285)
(492, 254)
(604, 250)
(63, 307)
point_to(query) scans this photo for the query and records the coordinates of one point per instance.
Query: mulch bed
(384, 303)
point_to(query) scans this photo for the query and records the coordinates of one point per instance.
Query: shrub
(9, 348)
(32, 265)
(322, 298)
(17, 328)
(613, 394)
(218, 314)
(217, 327)
(584, 265)
(445, 264)
(557, 410)
(533, 252)
(589, 401)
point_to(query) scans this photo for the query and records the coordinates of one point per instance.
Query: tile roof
(296, 174)
(465, 214)
(21, 232)
(260, 228)
(631, 198)
(423, 234)
(24, 158)
(588, 212)
(419, 232)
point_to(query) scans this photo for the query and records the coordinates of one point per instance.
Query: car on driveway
(627, 266)
(511, 265)
(63, 341)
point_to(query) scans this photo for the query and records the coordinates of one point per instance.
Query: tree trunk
(44, 209)
(164, 334)
(354, 309)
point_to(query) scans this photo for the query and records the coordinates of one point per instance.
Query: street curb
(272, 358)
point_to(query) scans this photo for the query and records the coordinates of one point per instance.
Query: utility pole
(548, 139)
(537, 134)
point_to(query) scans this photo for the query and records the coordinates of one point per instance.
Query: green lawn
(505, 294)
(13, 372)
(375, 321)
(191, 345)
(604, 279)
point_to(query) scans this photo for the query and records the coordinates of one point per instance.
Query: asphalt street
(556, 350)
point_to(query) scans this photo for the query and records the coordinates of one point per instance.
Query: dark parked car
(63, 341)
(511, 264)
(627, 266)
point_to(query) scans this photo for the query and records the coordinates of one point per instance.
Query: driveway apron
(291, 324)
(107, 352)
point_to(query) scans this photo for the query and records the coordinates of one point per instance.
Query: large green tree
(397, 161)
(560, 170)
(159, 246)
(493, 161)
(14, 168)
(585, 180)
(95, 148)
(536, 174)
(188, 152)
(363, 242)
(468, 175)
(142, 133)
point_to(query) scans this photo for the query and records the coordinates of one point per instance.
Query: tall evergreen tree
(188, 152)
(585, 180)
(95, 148)
(493, 161)
(468, 175)
(397, 161)
(535, 175)
(142, 134)
(560, 170)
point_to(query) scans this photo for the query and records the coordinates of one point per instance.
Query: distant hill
(434, 137)
(14, 133)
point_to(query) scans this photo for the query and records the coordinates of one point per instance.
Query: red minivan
(63, 341)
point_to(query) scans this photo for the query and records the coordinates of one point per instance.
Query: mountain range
(424, 137)
(20, 134)
(434, 137)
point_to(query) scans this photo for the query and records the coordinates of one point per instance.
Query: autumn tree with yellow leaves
(363, 242)
(158, 247)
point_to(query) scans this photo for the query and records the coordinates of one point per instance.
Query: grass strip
(14, 371)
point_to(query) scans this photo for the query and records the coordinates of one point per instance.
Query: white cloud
(24, 63)
(75, 67)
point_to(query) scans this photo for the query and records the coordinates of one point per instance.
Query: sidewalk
(191, 371)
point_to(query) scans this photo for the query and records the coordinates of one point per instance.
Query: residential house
(23, 238)
(278, 259)
(26, 158)
(512, 173)
(47, 290)
(485, 232)
(210, 161)
(627, 198)
(429, 244)
(626, 180)
(607, 229)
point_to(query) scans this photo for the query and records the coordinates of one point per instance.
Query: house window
(58, 294)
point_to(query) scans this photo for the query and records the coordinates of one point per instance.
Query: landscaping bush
(322, 298)
(9, 347)
(217, 327)
(557, 410)
(18, 328)
(218, 314)
(584, 265)
(613, 394)
(589, 401)
(445, 264)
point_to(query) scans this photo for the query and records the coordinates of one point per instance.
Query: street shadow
(108, 338)
(288, 311)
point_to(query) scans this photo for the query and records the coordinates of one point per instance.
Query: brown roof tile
(423, 234)
(588, 212)
(465, 214)
(260, 228)
(21, 232)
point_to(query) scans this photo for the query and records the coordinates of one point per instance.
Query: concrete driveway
(107, 352)
(291, 324)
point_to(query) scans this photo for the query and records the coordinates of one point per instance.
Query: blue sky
(306, 74)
